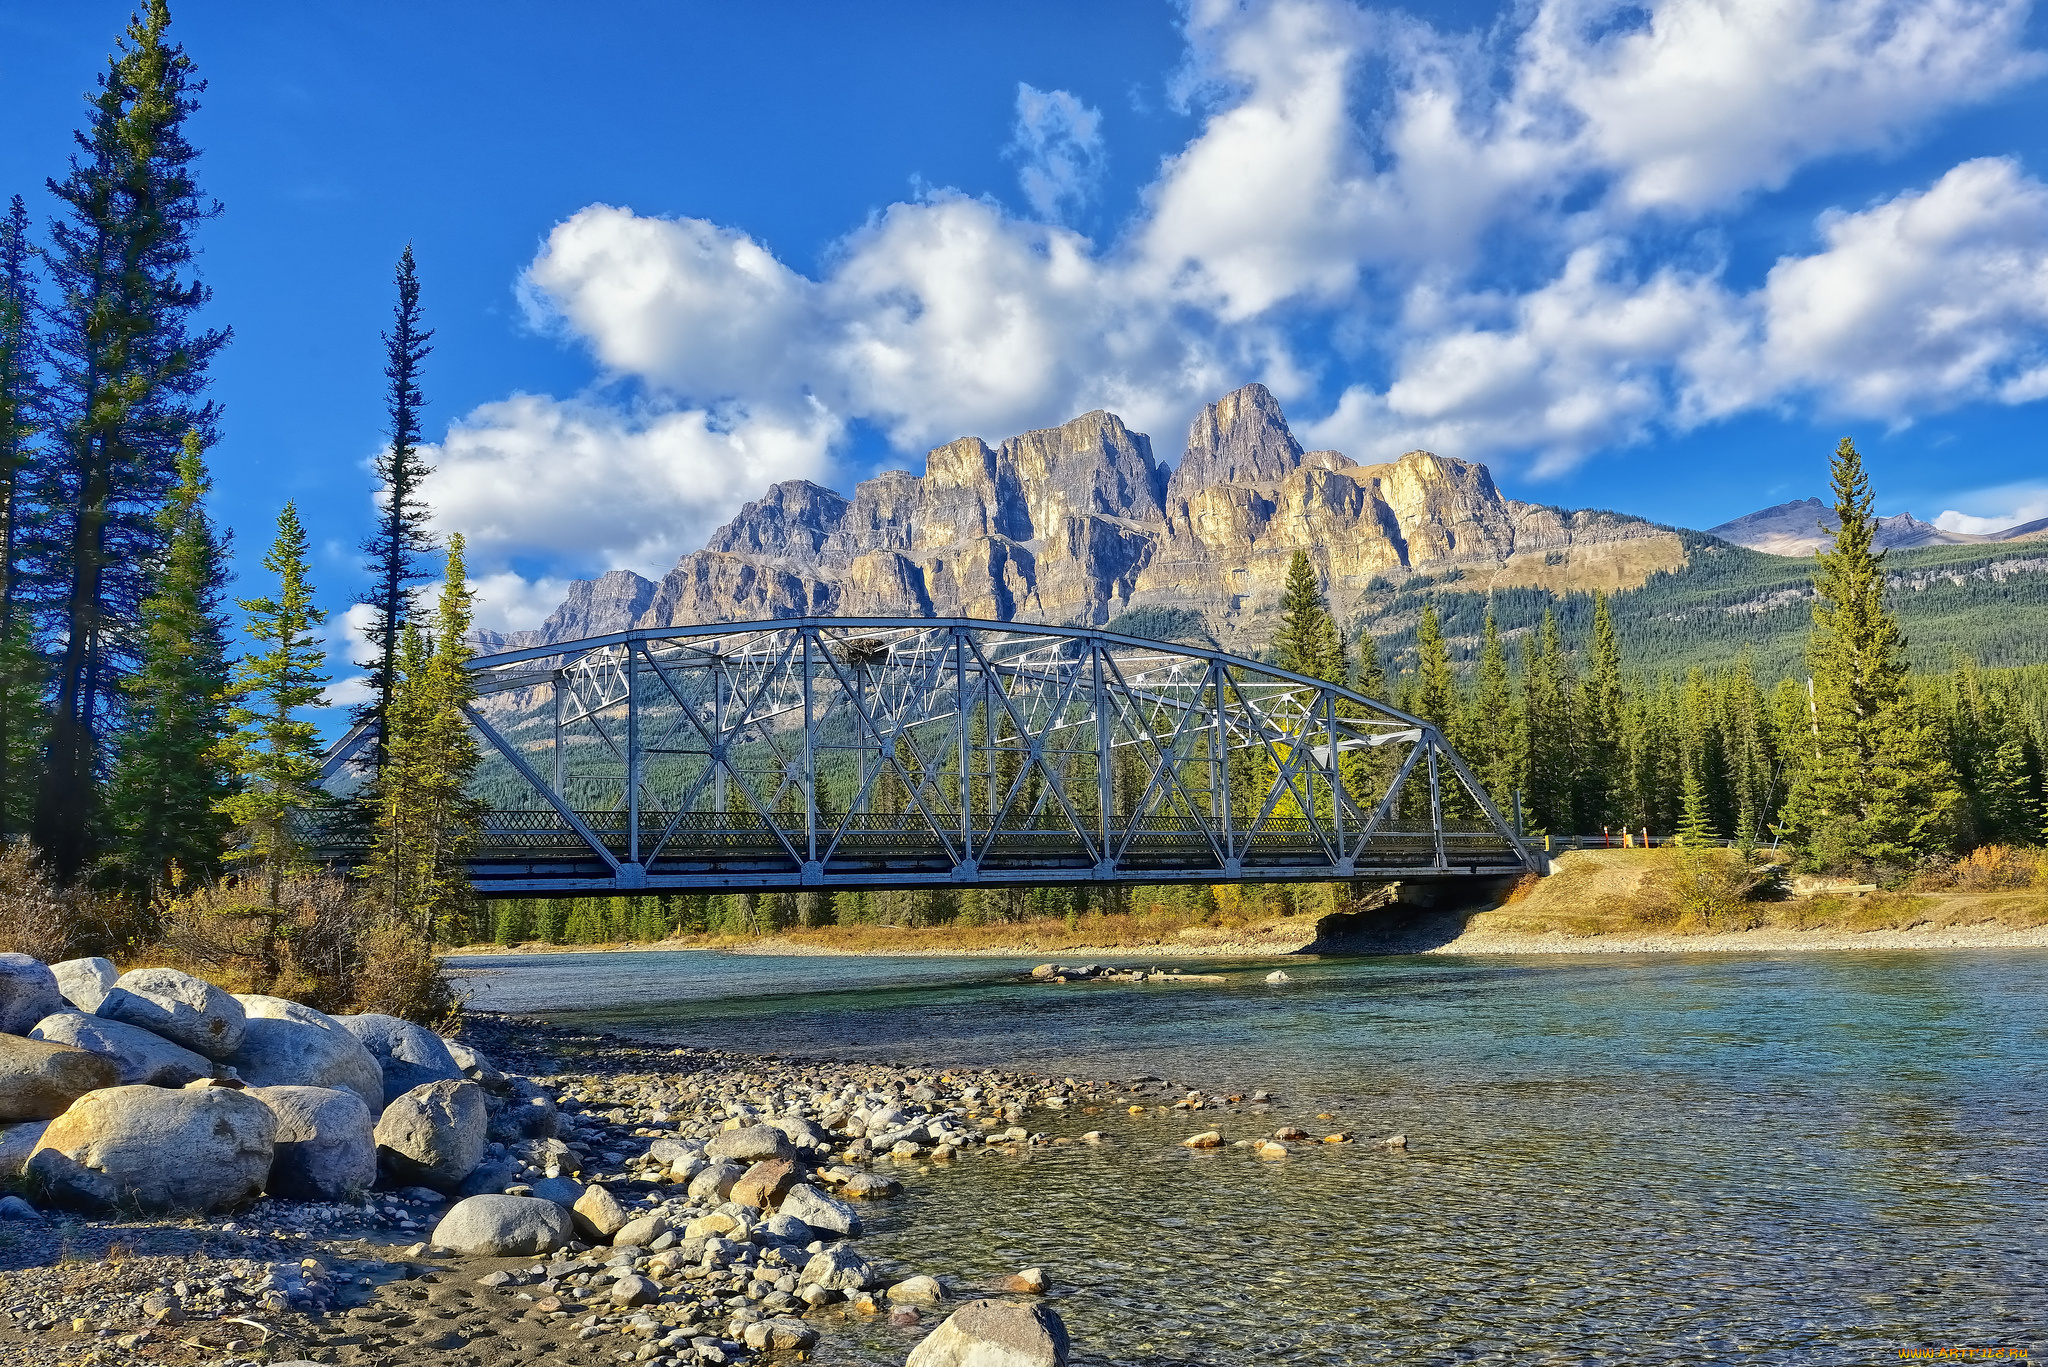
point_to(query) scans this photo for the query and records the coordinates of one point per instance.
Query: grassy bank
(1667, 893)
(1598, 899)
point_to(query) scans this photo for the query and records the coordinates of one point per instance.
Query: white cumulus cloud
(1059, 150)
(1354, 173)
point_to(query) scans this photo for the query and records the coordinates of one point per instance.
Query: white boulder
(433, 1135)
(995, 1334)
(504, 1227)
(28, 992)
(85, 982)
(289, 1045)
(140, 1057)
(325, 1148)
(183, 1009)
(408, 1055)
(162, 1152)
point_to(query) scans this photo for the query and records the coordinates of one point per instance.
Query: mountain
(1802, 527)
(1081, 524)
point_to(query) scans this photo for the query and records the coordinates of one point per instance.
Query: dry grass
(1668, 892)
(325, 946)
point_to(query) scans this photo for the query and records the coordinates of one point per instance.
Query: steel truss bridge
(816, 753)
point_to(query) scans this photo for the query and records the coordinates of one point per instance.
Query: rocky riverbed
(552, 1197)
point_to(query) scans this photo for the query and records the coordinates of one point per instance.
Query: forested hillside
(1988, 602)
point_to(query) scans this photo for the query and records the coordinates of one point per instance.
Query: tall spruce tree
(275, 749)
(1879, 789)
(1436, 699)
(1492, 738)
(1307, 641)
(128, 373)
(21, 404)
(1548, 687)
(164, 799)
(425, 821)
(397, 550)
(1601, 778)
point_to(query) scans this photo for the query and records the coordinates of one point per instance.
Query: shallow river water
(1813, 1158)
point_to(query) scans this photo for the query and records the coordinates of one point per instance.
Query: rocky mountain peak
(1242, 438)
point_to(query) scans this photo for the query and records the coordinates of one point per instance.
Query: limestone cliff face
(1079, 523)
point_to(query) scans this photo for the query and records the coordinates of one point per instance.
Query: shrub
(325, 945)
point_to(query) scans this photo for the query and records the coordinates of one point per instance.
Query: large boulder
(17, 1142)
(289, 1045)
(408, 1055)
(826, 1215)
(183, 1009)
(433, 1136)
(39, 1079)
(750, 1144)
(326, 1149)
(994, 1334)
(28, 992)
(140, 1058)
(85, 982)
(504, 1227)
(162, 1152)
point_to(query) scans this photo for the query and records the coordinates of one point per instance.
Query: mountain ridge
(1079, 523)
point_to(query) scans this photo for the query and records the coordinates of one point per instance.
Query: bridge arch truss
(890, 752)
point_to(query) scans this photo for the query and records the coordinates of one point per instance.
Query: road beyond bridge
(815, 753)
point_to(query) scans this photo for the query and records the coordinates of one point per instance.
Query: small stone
(641, 1232)
(919, 1290)
(1394, 1141)
(1207, 1139)
(164, 1307)
(1095, 1137)
(765, 1183)
(866, 1186)
(633, 1289)
(904, 1317)
(14, 1208)
(598, 1214)
(1290, 1134)
(1271, 1148)
(1032, 1281)
(1278, 976)
(1341, 1137)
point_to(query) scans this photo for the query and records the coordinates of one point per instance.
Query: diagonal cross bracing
(896, 752)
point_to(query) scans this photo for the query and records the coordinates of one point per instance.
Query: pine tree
(1492, 739)
(21, 403)
(1307, 641)
(274, 751)
(425, 821)
(1879, 789)
(1437, 699)
(1547, 689)
(164, 799)
(128, 373)
(1601, 780)
(1369, 675)
(396, 551)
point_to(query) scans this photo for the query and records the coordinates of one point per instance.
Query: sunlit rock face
(1079, 523)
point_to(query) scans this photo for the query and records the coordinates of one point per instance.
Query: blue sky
(1650, 257)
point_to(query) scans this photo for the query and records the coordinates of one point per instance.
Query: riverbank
(670, 1156)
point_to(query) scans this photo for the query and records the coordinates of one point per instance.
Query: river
(1802, 1158)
